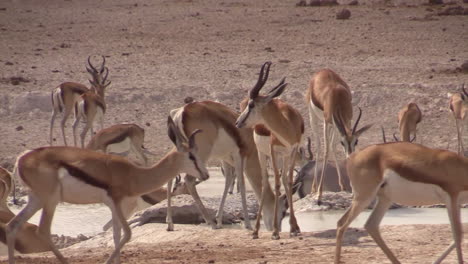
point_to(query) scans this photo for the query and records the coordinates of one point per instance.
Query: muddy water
(88, 220)
(323, 220)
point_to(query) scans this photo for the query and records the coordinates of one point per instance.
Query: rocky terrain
(390, 52)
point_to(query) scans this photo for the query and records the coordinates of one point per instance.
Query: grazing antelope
(306, 176)
(329, 100)
(408, 118)
(80, 176)
(67, 94)
(91, 106)
(222, 140)
(409, 174)
(458, 107)
(287, 127)
(27, 239)
(120, 139)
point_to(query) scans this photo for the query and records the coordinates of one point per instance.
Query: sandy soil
(199, 244)
(159, 52)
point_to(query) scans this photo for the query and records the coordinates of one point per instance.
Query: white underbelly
(263, 146)
(224, 146)
(406, 192)
(121, 147)
(76, 191)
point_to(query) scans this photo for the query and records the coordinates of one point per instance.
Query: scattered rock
(188, 100)
(301, 3)
(328, 2)
(454, 11)
(314, 3)
(14, 80)
(343, 14)
(353, 3)
(19, 128)
(9, 63)
(464, 67)
(323, 3)
(65, 45)
(436, 2)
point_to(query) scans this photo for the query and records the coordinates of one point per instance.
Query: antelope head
(349, 139)
(252, 113)
(99, 77)
(192, 163)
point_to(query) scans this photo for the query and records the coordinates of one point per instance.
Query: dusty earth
(159, 52)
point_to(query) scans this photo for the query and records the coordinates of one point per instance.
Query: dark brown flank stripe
(262, 130)
(83, 176)
(118, 139)
(149, 200)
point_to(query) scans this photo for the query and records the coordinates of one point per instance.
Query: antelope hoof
(275, 236)
(170, 227)
(255, 235)
(295, 233)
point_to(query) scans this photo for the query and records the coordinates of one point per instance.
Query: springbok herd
(267, 129)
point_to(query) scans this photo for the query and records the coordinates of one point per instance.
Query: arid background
(159, 52)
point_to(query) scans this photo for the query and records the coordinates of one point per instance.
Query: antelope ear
(277, 91)
(362, 129)
(93, 83)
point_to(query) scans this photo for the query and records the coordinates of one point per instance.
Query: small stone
(343, 14)
(19, 128)
(464, 67)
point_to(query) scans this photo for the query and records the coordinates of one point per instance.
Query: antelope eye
(251, 104)
(342, 144)
(356, 142)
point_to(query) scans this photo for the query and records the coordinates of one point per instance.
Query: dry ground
(159, 52)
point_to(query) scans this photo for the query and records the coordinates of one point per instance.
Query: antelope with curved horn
(329, 101)
(409, 174)
(458, 106)
(287, 127)
(222, 140)
(120, 139)
(67, 94)
(80, 176)
(408, 119)
(91, 105)
(306, 175)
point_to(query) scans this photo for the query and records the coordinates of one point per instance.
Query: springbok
(329, 100)
(80, 176)
(287, 127)
(458, 106)
(222, 140)
(408, 118)
(91, 106)
(27, 240)
(120, 139)
(67, 94)
(409, 174)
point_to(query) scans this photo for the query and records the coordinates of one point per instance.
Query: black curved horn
(357, 120)
(262, 78)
